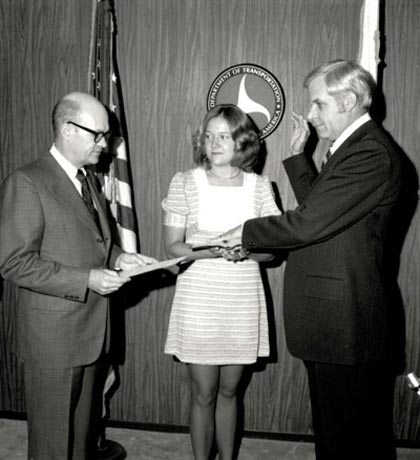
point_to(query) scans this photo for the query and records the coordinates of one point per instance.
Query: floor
(152, 445)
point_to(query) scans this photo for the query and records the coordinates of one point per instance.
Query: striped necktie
(87, 197)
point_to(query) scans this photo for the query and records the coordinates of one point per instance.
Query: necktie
(87, 197)
(327, 157)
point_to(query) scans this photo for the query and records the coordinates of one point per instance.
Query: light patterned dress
(219, 313)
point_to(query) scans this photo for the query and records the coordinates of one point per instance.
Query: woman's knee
(229, 381)
(228, 391)
(204, 384)
(204, 395)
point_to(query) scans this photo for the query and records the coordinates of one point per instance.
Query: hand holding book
(229, 239)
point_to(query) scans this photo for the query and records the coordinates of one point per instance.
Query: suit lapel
(355, 137)
(64, 190)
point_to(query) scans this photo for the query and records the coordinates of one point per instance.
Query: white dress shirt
(349, 131)
(68, 168)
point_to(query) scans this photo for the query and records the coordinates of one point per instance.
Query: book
(200, 247)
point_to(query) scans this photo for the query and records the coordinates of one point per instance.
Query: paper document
(151, 267)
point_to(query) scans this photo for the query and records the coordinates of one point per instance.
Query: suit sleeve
(336, 201)
(21, 233)
(302, 173)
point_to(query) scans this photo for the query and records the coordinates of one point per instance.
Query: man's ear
(66, 130)
(349, 101)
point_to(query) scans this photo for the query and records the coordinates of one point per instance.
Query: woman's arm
(176, 246)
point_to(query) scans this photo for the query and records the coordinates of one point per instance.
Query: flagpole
(92, 42)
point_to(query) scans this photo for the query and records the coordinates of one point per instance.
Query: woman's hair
(343, 76)
(244, 134)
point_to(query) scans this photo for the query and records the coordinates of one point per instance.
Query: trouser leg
(62, 410)
(352, 411)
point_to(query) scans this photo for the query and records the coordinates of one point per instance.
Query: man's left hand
(228, 239)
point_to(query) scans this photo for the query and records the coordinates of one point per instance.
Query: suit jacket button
(99, 240)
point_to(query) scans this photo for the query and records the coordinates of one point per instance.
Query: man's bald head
(71, 107)
(81, 128)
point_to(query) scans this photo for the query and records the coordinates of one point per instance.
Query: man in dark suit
(55, 244)
(336, 303)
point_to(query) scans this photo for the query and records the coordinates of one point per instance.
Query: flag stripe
(121, 171)
(128, 239)
(123, 194)
(125, 216)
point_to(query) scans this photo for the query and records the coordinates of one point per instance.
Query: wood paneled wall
(169, 52)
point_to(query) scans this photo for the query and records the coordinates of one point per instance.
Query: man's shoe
(110, 450)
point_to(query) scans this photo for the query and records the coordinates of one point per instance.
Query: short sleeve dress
(219, 313)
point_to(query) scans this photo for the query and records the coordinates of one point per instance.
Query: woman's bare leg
(226, 410)
(204, 386)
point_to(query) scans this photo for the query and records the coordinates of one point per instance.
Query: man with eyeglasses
(55, 244)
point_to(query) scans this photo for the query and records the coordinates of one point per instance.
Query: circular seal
(253, 89)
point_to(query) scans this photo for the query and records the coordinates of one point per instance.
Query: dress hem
(216, 363)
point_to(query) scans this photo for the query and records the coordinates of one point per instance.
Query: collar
(349, 131)
(69, 168)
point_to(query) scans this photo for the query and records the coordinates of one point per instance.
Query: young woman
(218, 322)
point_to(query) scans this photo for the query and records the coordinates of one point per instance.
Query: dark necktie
(87, 197)
(327, 157)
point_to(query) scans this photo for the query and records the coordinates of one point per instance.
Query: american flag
(105, 85)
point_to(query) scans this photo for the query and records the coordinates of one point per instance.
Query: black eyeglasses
(98, 135)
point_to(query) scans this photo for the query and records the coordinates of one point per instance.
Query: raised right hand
(300, 134)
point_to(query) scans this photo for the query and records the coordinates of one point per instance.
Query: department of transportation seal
(253, 89)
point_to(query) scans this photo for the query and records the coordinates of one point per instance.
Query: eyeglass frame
(98, 135)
